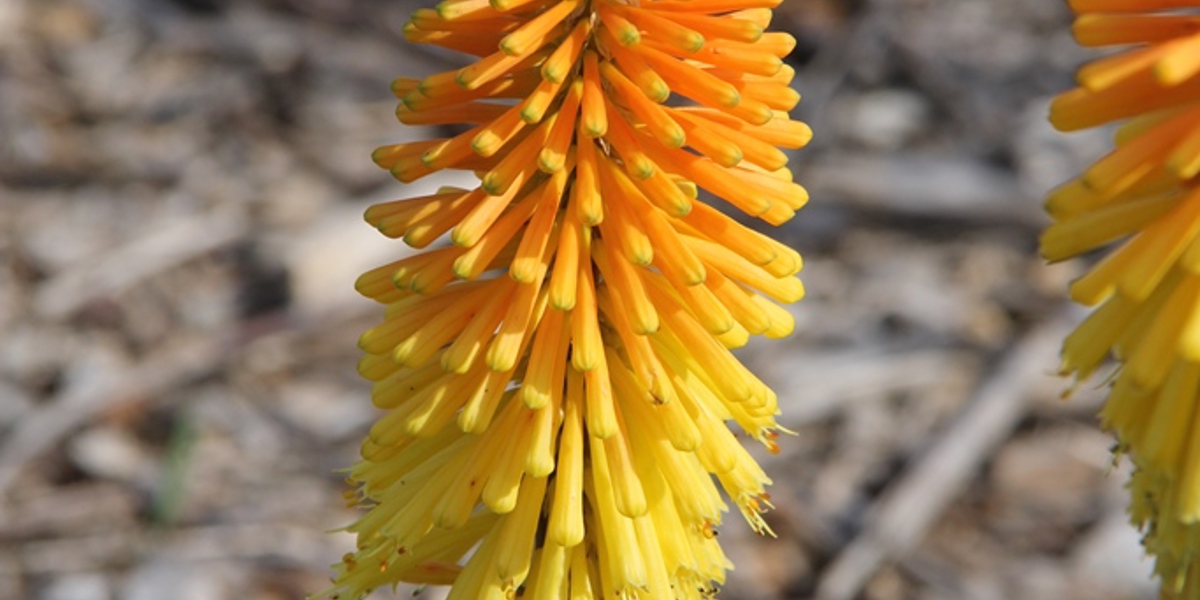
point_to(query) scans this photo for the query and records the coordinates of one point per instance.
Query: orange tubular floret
(558, 142)
(632, 64)
(665, 30)
(563, 60)
(628, 146)
(713, 6)
(594, 117)
(655, 117)
(690, 81)
(626, 33)
(1110, 30)
(727, 27)
(586, 191)
(535, 33)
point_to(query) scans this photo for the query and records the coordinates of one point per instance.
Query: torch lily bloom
(1144, 194)
(557, 377)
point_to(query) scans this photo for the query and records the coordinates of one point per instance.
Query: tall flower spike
(558, 379)
(1146, 195)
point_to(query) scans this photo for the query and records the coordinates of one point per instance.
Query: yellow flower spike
(1144, 192)
(1071, 237)
(1166, 436)
(557, 379)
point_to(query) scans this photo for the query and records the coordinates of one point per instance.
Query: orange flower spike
(565, 357)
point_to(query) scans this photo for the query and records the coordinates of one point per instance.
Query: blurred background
(181, 184)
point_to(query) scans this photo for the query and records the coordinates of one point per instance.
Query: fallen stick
(909, 507)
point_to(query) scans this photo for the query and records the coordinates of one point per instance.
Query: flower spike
(1143, 196)
(556, 374)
